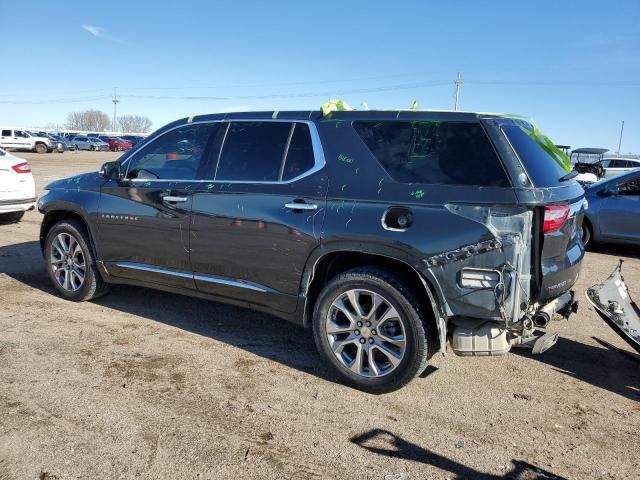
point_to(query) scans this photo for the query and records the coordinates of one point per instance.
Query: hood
(77, 181)
(613, 303)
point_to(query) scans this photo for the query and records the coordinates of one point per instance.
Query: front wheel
(41, 148)
(369, 327)
(70, 263)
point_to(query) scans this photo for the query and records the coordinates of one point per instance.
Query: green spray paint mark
(345, 158)
(275, 114)
(210, 186)
(417, 193)
(344, 186)
(398, 115)
(414, 105)
(146, 184)
(548, 146)
(347, 224)
(357, 168)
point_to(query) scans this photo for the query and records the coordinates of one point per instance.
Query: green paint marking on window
(417, 193)
(146, 184)
(275, 114)
(548, 146)
(210, 186)
(347, 224)
(343, 187)
(345, 158)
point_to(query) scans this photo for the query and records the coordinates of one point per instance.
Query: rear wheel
(11, 217)
(369, 327)
(41, 148)
(70, 263)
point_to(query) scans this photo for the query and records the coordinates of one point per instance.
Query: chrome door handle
(301, 206)
(172, 199)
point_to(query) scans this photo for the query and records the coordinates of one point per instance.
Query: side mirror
(610, 191)
(111, 171)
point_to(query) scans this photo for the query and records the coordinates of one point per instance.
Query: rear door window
(450, 153)
(6, 133)
(542, 168)
(253, 151)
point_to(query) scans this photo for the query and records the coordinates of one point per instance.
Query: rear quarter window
(543, 169)
(431, 152)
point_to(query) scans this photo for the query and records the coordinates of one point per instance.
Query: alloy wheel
(365, 332)
(67, 262)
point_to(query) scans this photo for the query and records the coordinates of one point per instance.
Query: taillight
(554, 217)
(22, 168)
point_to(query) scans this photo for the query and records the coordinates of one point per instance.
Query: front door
(144, 218)
(256, 223)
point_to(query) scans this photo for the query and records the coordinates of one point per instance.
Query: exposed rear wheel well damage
(335, 263)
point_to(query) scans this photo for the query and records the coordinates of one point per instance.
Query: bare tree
(91, 120)
(134, 123)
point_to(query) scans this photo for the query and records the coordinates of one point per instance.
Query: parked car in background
(116, 144)
(83, 142)
(617, 165)
(134, 139)
(16, 139)
(613, 213)
(17, 188)
(64, 143)
(374, 228)
(97, 144)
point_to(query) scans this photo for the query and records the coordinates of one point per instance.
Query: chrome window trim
(195, 276)
(318, 154)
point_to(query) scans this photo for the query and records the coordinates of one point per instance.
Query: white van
(16, 139)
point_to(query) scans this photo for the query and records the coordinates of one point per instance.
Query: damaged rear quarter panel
(360, 192)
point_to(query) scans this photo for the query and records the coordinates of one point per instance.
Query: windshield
(543, 169)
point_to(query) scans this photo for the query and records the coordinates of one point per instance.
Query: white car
(615, 166)
(17, 188)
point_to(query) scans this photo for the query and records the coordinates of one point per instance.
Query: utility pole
(620, 141)
(457, 83)
(115, 103)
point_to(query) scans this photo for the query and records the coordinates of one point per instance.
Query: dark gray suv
(389, 233)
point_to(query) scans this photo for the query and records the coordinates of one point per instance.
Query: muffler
(564, 302)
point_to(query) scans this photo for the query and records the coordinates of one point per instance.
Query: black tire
(93, 285)
(41, 148)
(586, 233)
(11, 217)
(398, 295)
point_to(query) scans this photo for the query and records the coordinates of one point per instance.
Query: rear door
(144, 219)
(255, 223)
(618, 214)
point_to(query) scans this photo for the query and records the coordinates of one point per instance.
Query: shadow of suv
(389, 233)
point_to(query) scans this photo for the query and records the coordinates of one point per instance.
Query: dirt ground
(143, 384)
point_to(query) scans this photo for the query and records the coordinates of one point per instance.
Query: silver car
(82, 142)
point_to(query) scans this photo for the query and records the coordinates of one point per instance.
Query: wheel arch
(331, 263)
(54, 216)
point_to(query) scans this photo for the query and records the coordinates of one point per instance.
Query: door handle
(172, 199)
(301, 206)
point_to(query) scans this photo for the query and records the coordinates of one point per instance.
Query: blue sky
(572, 66)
